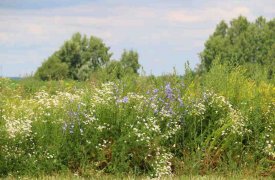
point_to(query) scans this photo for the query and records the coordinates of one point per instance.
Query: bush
(52, 69)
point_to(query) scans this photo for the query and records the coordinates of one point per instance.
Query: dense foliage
(80, 57)
(128, 65)
(53, 69)
(241, 42)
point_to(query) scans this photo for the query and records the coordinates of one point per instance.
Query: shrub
(52, 69)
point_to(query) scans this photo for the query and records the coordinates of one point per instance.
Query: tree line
(250, 44)
(240, 42)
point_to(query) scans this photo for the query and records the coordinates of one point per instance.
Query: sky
(166, 34)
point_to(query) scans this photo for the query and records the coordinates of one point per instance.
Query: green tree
(214, 48)
(52, 69)
(237, 28)
(70, 53)
(221, 29)
(129, 61)
(83, 55)
(239, 43)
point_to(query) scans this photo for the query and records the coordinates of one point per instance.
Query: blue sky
(165, 33)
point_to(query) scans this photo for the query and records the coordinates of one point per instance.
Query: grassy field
(110, 177)
(98, 175)
(169, 126)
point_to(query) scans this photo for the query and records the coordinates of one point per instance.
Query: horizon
(165, 34)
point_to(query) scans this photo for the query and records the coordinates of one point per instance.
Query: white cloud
(4, 37)
(118, 24)
(182, 16)
(206, 14)
(36, 29)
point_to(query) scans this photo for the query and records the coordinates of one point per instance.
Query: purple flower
(155, 91)
(125, 99)
(168, 91)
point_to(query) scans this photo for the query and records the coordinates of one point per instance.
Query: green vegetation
(242, 43)
(104, 176)
(217, 120)
(53, 69)
(80, 58)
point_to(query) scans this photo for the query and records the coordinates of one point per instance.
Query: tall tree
(83, 55)
(129, 61)
(239, 43)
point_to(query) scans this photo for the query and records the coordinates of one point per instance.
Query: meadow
(220, 122)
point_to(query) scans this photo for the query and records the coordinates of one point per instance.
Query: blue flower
(168, 91)
(155, 91)
(125, 99)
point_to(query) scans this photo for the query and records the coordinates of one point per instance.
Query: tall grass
(222, 121)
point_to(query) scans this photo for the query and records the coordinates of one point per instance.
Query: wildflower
(72, 129)
(125, 99)
(64, 127)
(161, 100)
(155, 91)
(168, 91)
(180, 101)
